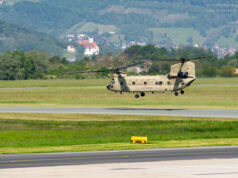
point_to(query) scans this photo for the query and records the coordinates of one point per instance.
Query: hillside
(170, 22)
(11, 2)
(15, 37)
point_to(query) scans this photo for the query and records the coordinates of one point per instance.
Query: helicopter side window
(159, 83)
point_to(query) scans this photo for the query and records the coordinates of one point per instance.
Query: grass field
(233, 80)
(195, 97)
(53, 83)
(24, 133)
(94, 82)
(179, 35)
(90, 27)
(29, 133)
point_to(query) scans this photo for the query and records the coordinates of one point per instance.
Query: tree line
(20, 65)
(209, 66)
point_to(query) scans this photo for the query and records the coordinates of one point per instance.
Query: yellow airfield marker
(136, 139)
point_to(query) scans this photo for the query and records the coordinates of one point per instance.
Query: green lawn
(94, 82)
(195, 97)
(123, 146)
(34, 135)
(23, 133)
(53, 83)
(218, 80)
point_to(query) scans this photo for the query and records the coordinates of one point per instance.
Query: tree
(227, 71)
(208, 70)
(41, 61)
(10, 67)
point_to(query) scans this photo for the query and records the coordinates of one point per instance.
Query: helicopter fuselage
(148, 83)
(181, 75)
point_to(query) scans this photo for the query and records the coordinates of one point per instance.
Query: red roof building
(91, 47)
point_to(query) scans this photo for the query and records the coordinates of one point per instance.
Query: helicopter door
(123, 84)
(168, 86)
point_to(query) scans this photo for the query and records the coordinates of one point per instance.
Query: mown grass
(98, 118)
(35, 133)
(123, 146)
(53, 83)
(222, 97)
(217, 80)
(93, 82)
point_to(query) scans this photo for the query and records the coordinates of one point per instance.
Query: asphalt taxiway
(209, 113)
(102, 157)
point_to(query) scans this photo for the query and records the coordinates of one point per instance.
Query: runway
(209, 113)
(85, 158)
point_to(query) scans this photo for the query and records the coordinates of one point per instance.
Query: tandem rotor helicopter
(181, 75)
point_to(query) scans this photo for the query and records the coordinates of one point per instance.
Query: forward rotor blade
(169, 60)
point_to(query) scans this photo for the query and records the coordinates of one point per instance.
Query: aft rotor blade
(125, 67)
(107, 70)
(91, 71)
(159, 59)
(197, 58)
(172, 60)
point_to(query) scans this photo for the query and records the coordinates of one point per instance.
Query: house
(112, 33)
(71, 49)
(91, 47)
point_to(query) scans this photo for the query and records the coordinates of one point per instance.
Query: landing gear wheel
(142, 94)
(176, 93)
(182, 92)
(137, 96)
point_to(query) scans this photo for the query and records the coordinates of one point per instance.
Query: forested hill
(160, 21)
(15, 37)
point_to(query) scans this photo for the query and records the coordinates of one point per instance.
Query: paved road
(210, 113)
(84, 158)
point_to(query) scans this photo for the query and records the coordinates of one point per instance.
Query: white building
(71, 49)
(91, 47)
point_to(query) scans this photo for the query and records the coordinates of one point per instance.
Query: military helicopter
(181, 75)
